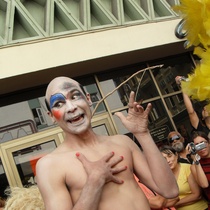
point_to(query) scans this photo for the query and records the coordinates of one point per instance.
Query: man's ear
(89, 99)
(49, 113)
(51, 116)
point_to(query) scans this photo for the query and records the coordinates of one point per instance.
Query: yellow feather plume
(196, 14)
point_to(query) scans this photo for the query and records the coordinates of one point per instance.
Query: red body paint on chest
(56, 114)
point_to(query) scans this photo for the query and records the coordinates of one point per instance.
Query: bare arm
(158, 202)
(171, 202)
(199, 175)
(195, 193)
(154, 165)
(194, 120)
(53, 187)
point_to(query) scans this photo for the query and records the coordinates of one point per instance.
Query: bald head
(172, 133)
(60, 84)
(175, 136)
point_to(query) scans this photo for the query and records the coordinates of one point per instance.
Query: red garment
(205, 163)
(149, 193)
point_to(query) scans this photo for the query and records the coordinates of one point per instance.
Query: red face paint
(57, 114)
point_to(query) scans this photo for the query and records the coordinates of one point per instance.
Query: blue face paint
(56, 97)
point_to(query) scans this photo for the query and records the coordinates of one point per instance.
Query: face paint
(57, 114)
(56, 97)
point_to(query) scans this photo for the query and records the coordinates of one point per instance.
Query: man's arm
(156, 201)
(155, 171)
(54, 190)
(150, 167)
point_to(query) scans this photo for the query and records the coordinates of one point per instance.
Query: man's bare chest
(74, 169)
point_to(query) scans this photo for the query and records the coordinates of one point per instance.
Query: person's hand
(178, 80)
(188, 148)
(104, 169)
(137, 119)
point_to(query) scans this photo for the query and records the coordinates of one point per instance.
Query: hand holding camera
(195, 148)
(178, 79)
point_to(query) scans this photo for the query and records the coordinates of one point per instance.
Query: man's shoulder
(119, 138)
(121, 141)
(51, 157)
(45, 160)
(50, 161)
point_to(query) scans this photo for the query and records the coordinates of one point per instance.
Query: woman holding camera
(189, 191)
(201, 167)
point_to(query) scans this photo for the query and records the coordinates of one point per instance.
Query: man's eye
(58, 104)
(76, 95)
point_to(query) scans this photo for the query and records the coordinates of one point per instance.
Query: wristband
(197, 162)
(197, 158)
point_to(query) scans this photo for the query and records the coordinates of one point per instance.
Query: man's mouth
(76, 118)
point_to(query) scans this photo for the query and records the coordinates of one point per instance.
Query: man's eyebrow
(56, 97)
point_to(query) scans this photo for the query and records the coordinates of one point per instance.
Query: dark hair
(166, 149)
(199, 133)
(48, 106)
(198, 107)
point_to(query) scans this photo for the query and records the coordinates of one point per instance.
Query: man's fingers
(148, 108)
(116, 160)
(117, 170)
(117, 180)
(108, 156)
(119, 115)
(106, 167)
(112, 161)
(131, 98)
(81, 157)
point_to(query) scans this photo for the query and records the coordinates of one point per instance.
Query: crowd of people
(189, 162)
(93, 172)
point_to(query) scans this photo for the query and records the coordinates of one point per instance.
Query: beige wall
(45, 54)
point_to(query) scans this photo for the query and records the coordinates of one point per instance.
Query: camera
(197, 147)
(184, 79)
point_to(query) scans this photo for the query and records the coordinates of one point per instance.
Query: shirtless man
(92, 172)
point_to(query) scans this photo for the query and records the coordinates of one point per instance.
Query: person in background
(200, 120)
(156, 201)
(95, 172)
(185, 133)
(189, 191)
(178, 143)
(201, 165)
(2, 203)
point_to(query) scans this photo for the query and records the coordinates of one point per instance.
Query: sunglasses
(176, 137)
